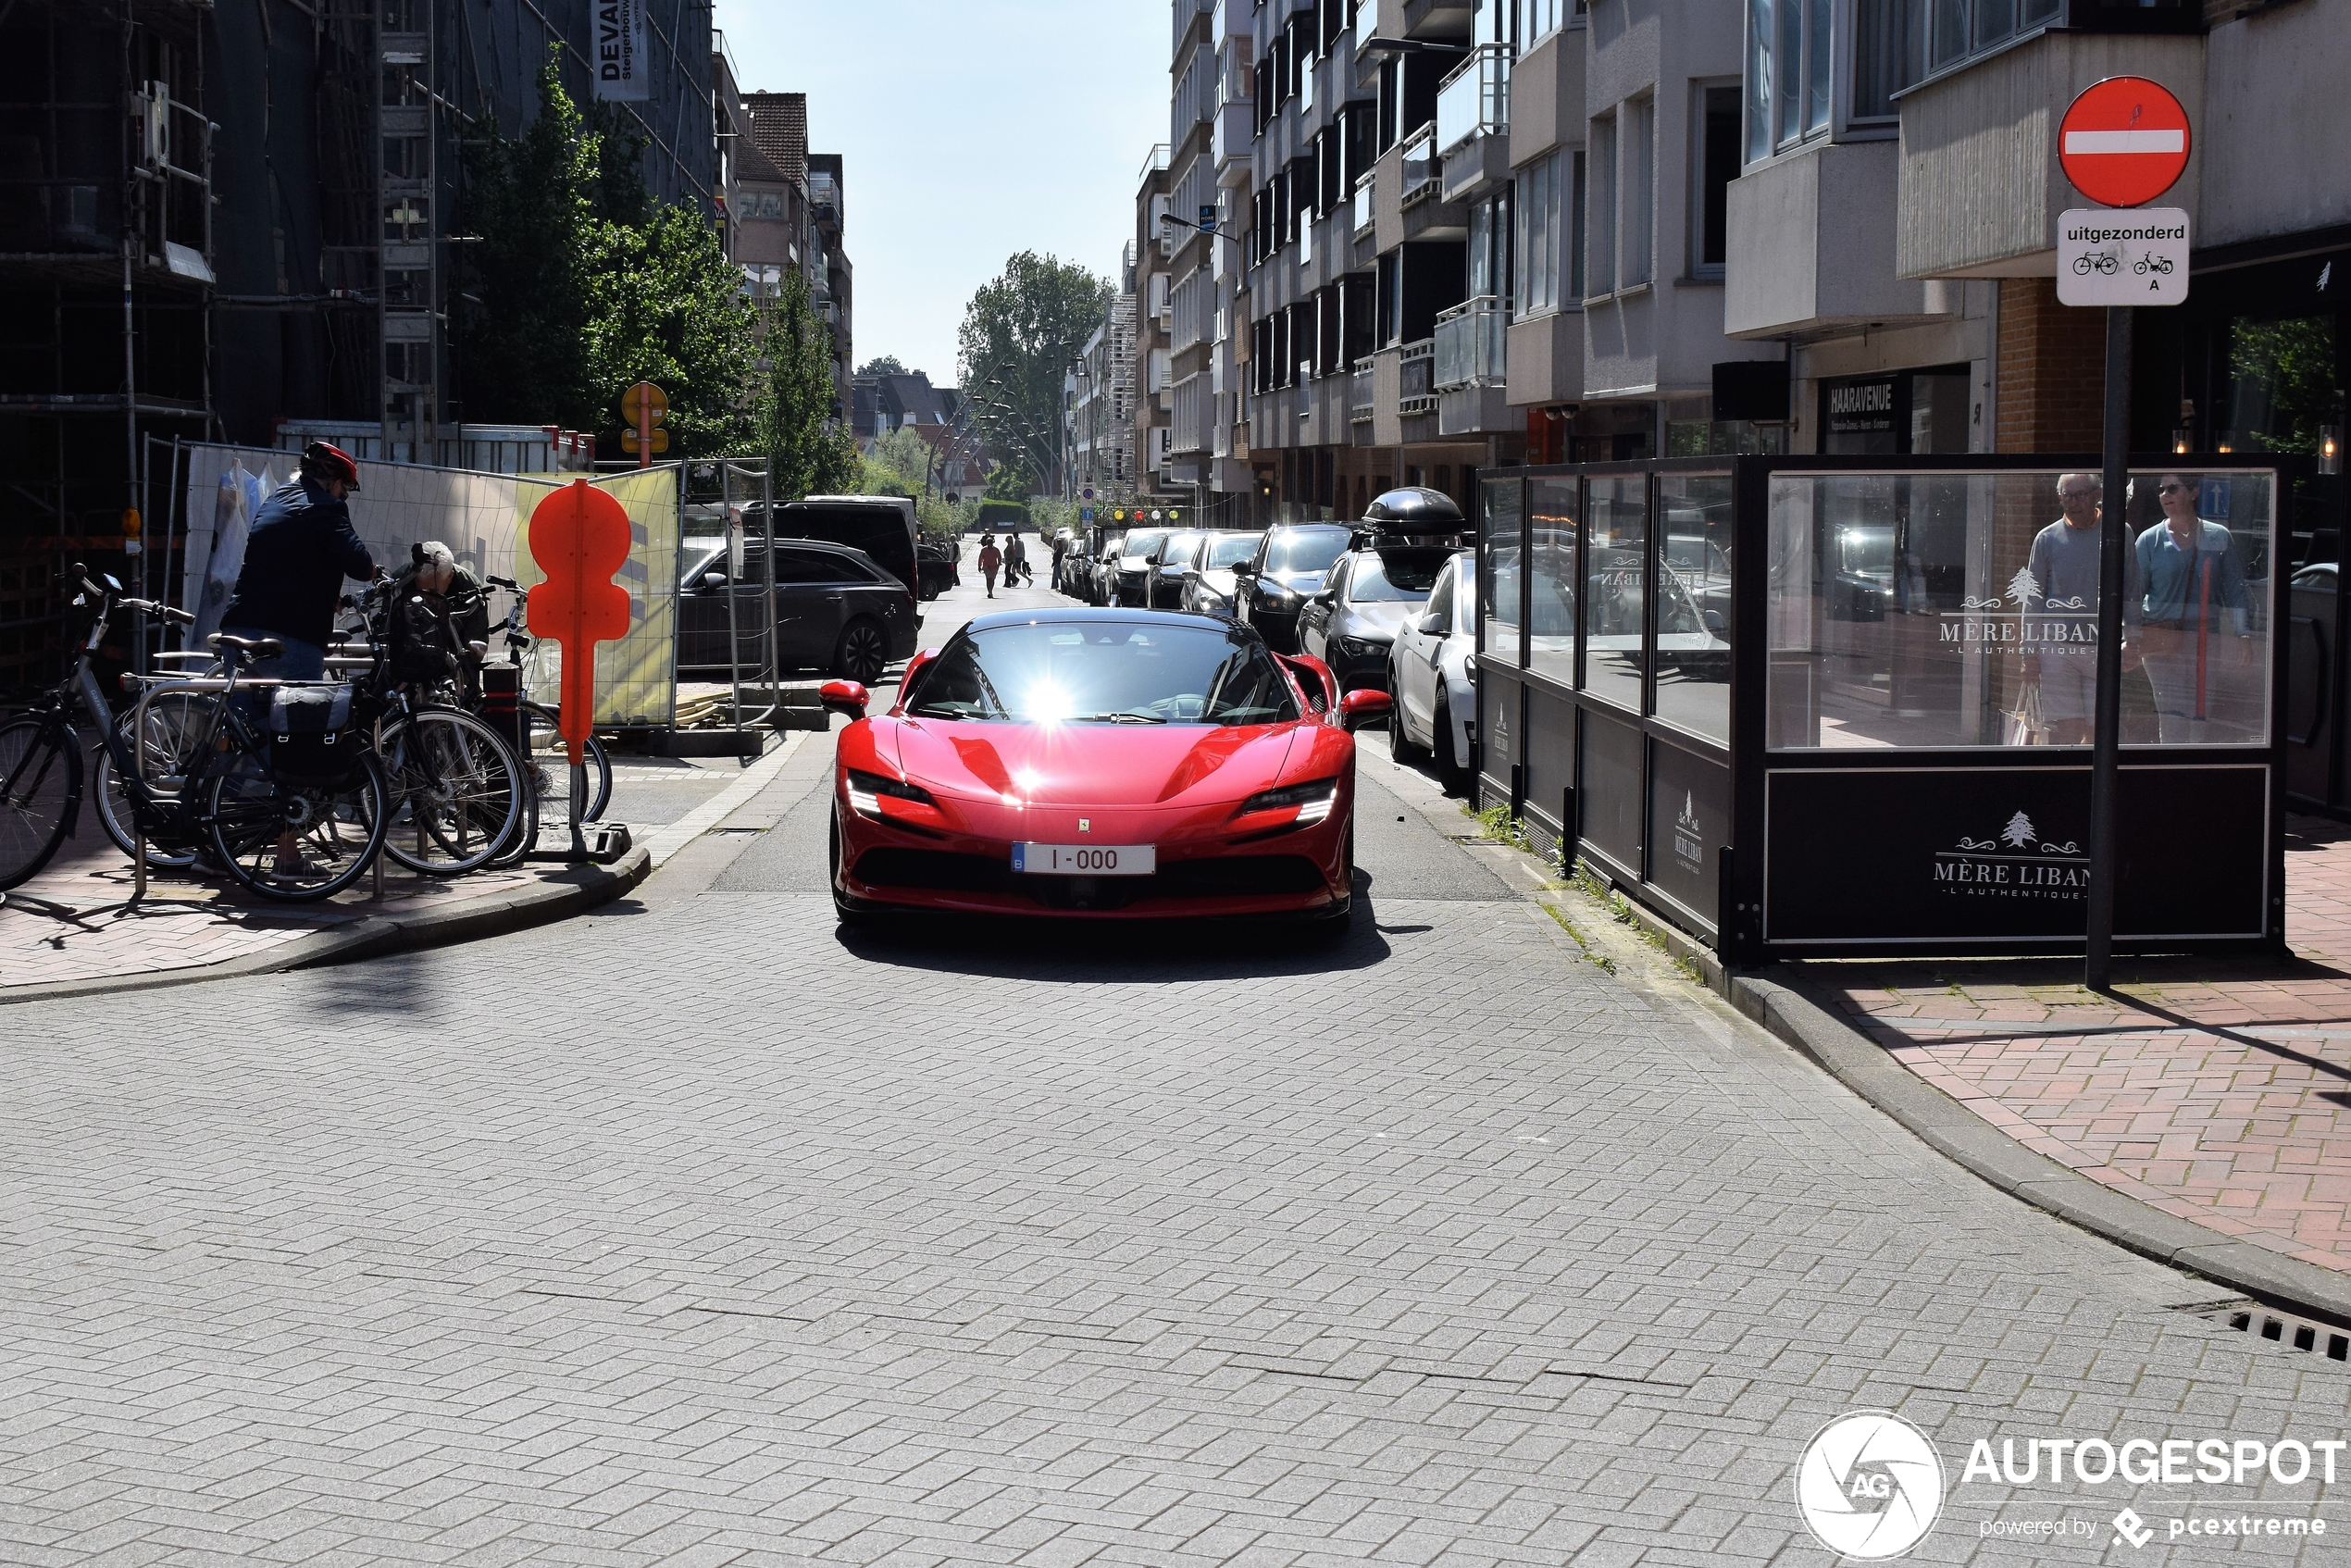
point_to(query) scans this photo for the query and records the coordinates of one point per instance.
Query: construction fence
(483, 519)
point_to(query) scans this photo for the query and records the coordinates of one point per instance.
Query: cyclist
(300, 549)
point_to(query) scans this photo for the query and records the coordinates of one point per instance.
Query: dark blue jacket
(300, 549)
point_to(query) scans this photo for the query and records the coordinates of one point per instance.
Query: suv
(881, 526)
(835, 610)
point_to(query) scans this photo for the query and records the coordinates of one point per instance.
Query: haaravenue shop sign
(1871, 1485)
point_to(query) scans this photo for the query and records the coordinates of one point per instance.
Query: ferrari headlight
(1313, 800)
(865, 790)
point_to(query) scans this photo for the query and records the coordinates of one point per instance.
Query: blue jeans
(300, 661)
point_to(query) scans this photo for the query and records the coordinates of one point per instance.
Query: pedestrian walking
(1017, 560)
(991, 561)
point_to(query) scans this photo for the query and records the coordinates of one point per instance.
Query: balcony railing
(1469, 344)
(1360, 397)
(1474, 100)
(1420, 167)
(1415, 388)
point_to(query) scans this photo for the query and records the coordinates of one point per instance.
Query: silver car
(1351, 623)
(1208, 576)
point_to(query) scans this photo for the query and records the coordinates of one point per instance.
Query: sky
(969, 130)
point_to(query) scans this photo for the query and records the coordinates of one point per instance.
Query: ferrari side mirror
(845, 697)
(1359, 708)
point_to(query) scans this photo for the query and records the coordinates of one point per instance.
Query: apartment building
(1099, 443)
(783, 208)
(1150, 265)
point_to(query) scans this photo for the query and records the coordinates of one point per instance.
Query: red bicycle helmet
(332, 462)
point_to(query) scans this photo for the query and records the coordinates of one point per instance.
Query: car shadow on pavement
(1042, 948)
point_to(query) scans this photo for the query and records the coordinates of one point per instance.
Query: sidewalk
(2215, 1091)
(72, 928)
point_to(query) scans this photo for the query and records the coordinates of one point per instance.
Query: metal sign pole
(2106, 739)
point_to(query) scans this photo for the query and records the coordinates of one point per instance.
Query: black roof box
(1414, 509)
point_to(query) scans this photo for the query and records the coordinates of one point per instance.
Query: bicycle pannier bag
(424, 643)
(312, 740)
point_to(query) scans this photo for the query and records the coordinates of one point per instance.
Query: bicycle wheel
(176, 725)
(524, 838)
(40, 780)
(456, 791)
(551, 765)
(333, 831)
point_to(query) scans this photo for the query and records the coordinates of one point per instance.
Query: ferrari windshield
(1105, 672)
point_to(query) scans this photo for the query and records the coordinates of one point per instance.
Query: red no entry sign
(2124, 141)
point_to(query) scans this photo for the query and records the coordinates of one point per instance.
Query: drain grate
(2283, 1330)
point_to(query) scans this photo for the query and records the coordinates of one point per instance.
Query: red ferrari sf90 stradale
(1115, 762)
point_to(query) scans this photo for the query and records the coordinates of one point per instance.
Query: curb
(1947, 1126)
(554, 898)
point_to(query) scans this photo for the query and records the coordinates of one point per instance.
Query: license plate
(1086, 860)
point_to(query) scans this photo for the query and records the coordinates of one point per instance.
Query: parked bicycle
(296, 822)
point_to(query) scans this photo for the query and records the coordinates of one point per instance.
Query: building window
(1600, 263)
(1641, 190)
(1716, 145)
(1539, 236)
(1539, 18)
(1787, 72)
(1575, 208)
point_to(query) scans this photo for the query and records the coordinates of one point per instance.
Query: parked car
(1285, 570)
(1351, 624)
(1131, 579)
(1098, 585)
(1164, 589)
(938, 563)
(835, 610)
(1209, 584)
(1430, 677)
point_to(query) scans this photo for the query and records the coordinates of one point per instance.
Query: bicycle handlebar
(80, 573)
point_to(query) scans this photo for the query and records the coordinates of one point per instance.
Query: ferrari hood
(1093, 765)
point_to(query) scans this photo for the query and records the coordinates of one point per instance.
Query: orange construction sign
(579, 537)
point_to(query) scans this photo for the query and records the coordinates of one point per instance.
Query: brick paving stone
(694, 1226)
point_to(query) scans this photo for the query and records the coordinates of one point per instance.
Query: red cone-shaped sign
(579, 537)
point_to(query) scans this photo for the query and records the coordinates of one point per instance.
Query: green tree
(1019, 332)
(810, 453)
(885, 365)
(665, 306)
(533, 201)
(900, 460)
(1009, 481)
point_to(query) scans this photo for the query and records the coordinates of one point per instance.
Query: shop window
(1616, 519)
(1902, 411)
(1692, 685)
(2281, 391)
(1959, 610)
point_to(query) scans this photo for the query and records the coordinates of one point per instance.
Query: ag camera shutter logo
(1869, 1485)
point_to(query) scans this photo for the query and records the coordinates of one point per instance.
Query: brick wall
(2052, 372)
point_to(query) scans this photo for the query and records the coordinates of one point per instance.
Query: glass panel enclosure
(1694, 603)
(1954, 609)
(1551, 616)
(1617, 518)
(1501, 526)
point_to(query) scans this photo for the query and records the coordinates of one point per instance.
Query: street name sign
(2109, 256)
(2123, 141)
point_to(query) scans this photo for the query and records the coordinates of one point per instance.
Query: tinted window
(1298, 552)
(811, 566)
(1394, 577)
(1105, 672)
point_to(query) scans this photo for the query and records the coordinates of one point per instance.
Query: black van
(881, 526)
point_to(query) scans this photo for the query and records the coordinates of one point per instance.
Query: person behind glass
(991, 560)
(2061, 613)
(300, 549)
(2193, 634)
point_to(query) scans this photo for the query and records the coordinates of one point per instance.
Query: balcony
(1234, 136)
(1475, 99)
(1468, 347)
(1359, 396)
(1796, 260)
(1545, 356)
(1415, 385)
(1418, 167)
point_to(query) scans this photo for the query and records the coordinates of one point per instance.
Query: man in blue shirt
(2193, 631)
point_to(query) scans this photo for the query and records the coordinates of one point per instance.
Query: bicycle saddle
(251, 647)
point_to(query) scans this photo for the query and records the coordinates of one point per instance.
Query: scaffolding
(106, 283)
